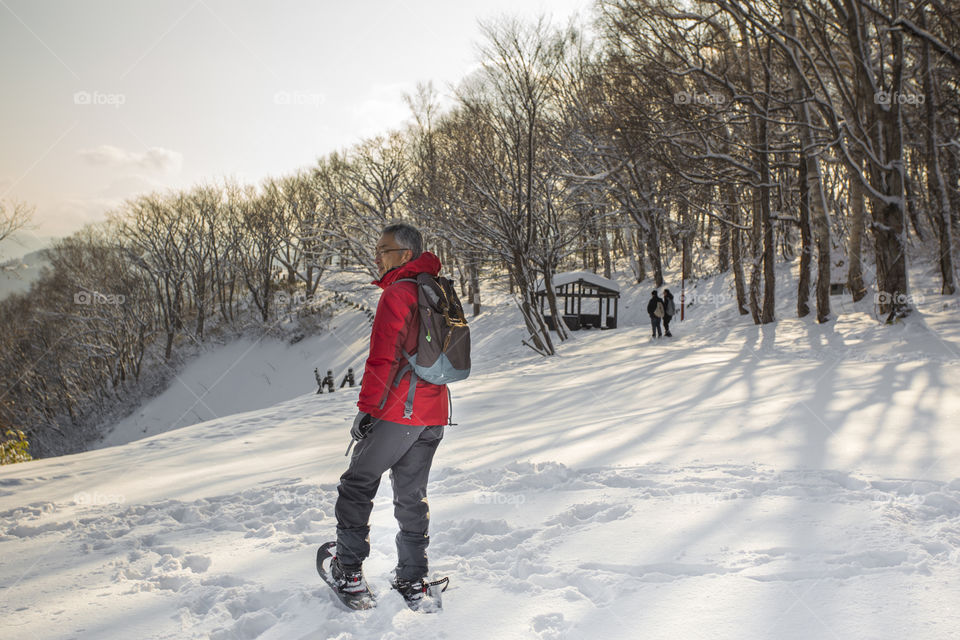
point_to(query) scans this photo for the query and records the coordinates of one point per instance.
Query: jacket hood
(426, 262)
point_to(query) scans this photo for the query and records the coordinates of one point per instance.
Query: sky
(103, 100)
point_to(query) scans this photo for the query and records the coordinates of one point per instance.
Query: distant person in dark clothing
(669, 310)
(329, 382)
(655, 310)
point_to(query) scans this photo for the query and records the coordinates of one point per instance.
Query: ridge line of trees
(726, 135)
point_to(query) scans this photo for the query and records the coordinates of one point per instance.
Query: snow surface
(788, 481)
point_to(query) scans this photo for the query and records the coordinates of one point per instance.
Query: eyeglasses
(379, 252)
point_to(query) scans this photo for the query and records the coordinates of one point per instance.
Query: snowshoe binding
(347, 582)
(421, 595)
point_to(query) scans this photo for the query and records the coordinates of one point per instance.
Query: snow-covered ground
(787, 481)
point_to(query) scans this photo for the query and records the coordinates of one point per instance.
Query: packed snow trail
(537, 550)
(788, 481)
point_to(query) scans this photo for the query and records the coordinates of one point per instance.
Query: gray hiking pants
(407, 451)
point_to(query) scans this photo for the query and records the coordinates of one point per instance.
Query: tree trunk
(475, 287)
(806, 239)
(558, 322)
(605, 248)
(935, 181)
(769, 256)
(688, 230)
(653, 249)
(813, 203)
(885, 125)
(736, 257)
(528, 308)
(723, 250)
(858, 216)
(953, 191)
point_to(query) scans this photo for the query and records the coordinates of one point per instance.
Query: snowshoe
(421, 595)
(347, 583)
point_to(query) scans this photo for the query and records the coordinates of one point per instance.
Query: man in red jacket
(388, 437)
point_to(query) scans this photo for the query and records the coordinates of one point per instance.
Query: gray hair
(406, 236)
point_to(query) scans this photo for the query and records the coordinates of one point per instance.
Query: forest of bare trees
(720, 136)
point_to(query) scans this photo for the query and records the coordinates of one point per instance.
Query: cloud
(80, 211)
(156, 159)
(128, 174)
(130, 186)
(383, 109)
(66, 215)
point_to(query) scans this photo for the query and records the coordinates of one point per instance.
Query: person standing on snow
(669, 310)
(655, 310)
(385, 438)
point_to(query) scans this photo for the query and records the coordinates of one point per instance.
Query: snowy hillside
(247, 374)
(787, 481)
(17, 274)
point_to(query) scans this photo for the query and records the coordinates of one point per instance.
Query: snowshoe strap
(353, 587)
(444, 581)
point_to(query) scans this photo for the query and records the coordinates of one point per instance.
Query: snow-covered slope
(787, 481)
(16, 275)
(247, 374)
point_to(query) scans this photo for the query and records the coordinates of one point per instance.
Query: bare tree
(13, 217)
(511, 103)
(153, 233)
(259, 236)
(936, 182)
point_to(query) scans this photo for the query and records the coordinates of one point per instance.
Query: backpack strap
(450, 408)
(408, 407)
(411, 360)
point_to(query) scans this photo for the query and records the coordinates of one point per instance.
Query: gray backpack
(443, 341)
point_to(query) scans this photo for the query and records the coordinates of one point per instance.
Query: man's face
(389, 254)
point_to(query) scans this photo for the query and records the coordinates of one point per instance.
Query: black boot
(349, 579)
(421, 595)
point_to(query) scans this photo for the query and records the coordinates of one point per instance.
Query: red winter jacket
(395, 328)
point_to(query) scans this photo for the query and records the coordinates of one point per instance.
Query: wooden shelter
(575, 290)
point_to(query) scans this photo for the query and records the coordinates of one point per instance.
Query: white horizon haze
(108, 100)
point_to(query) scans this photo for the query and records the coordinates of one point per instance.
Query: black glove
(361, 426)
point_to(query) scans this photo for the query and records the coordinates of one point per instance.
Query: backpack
(659, 311)
(443, 340)
(671, 309)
